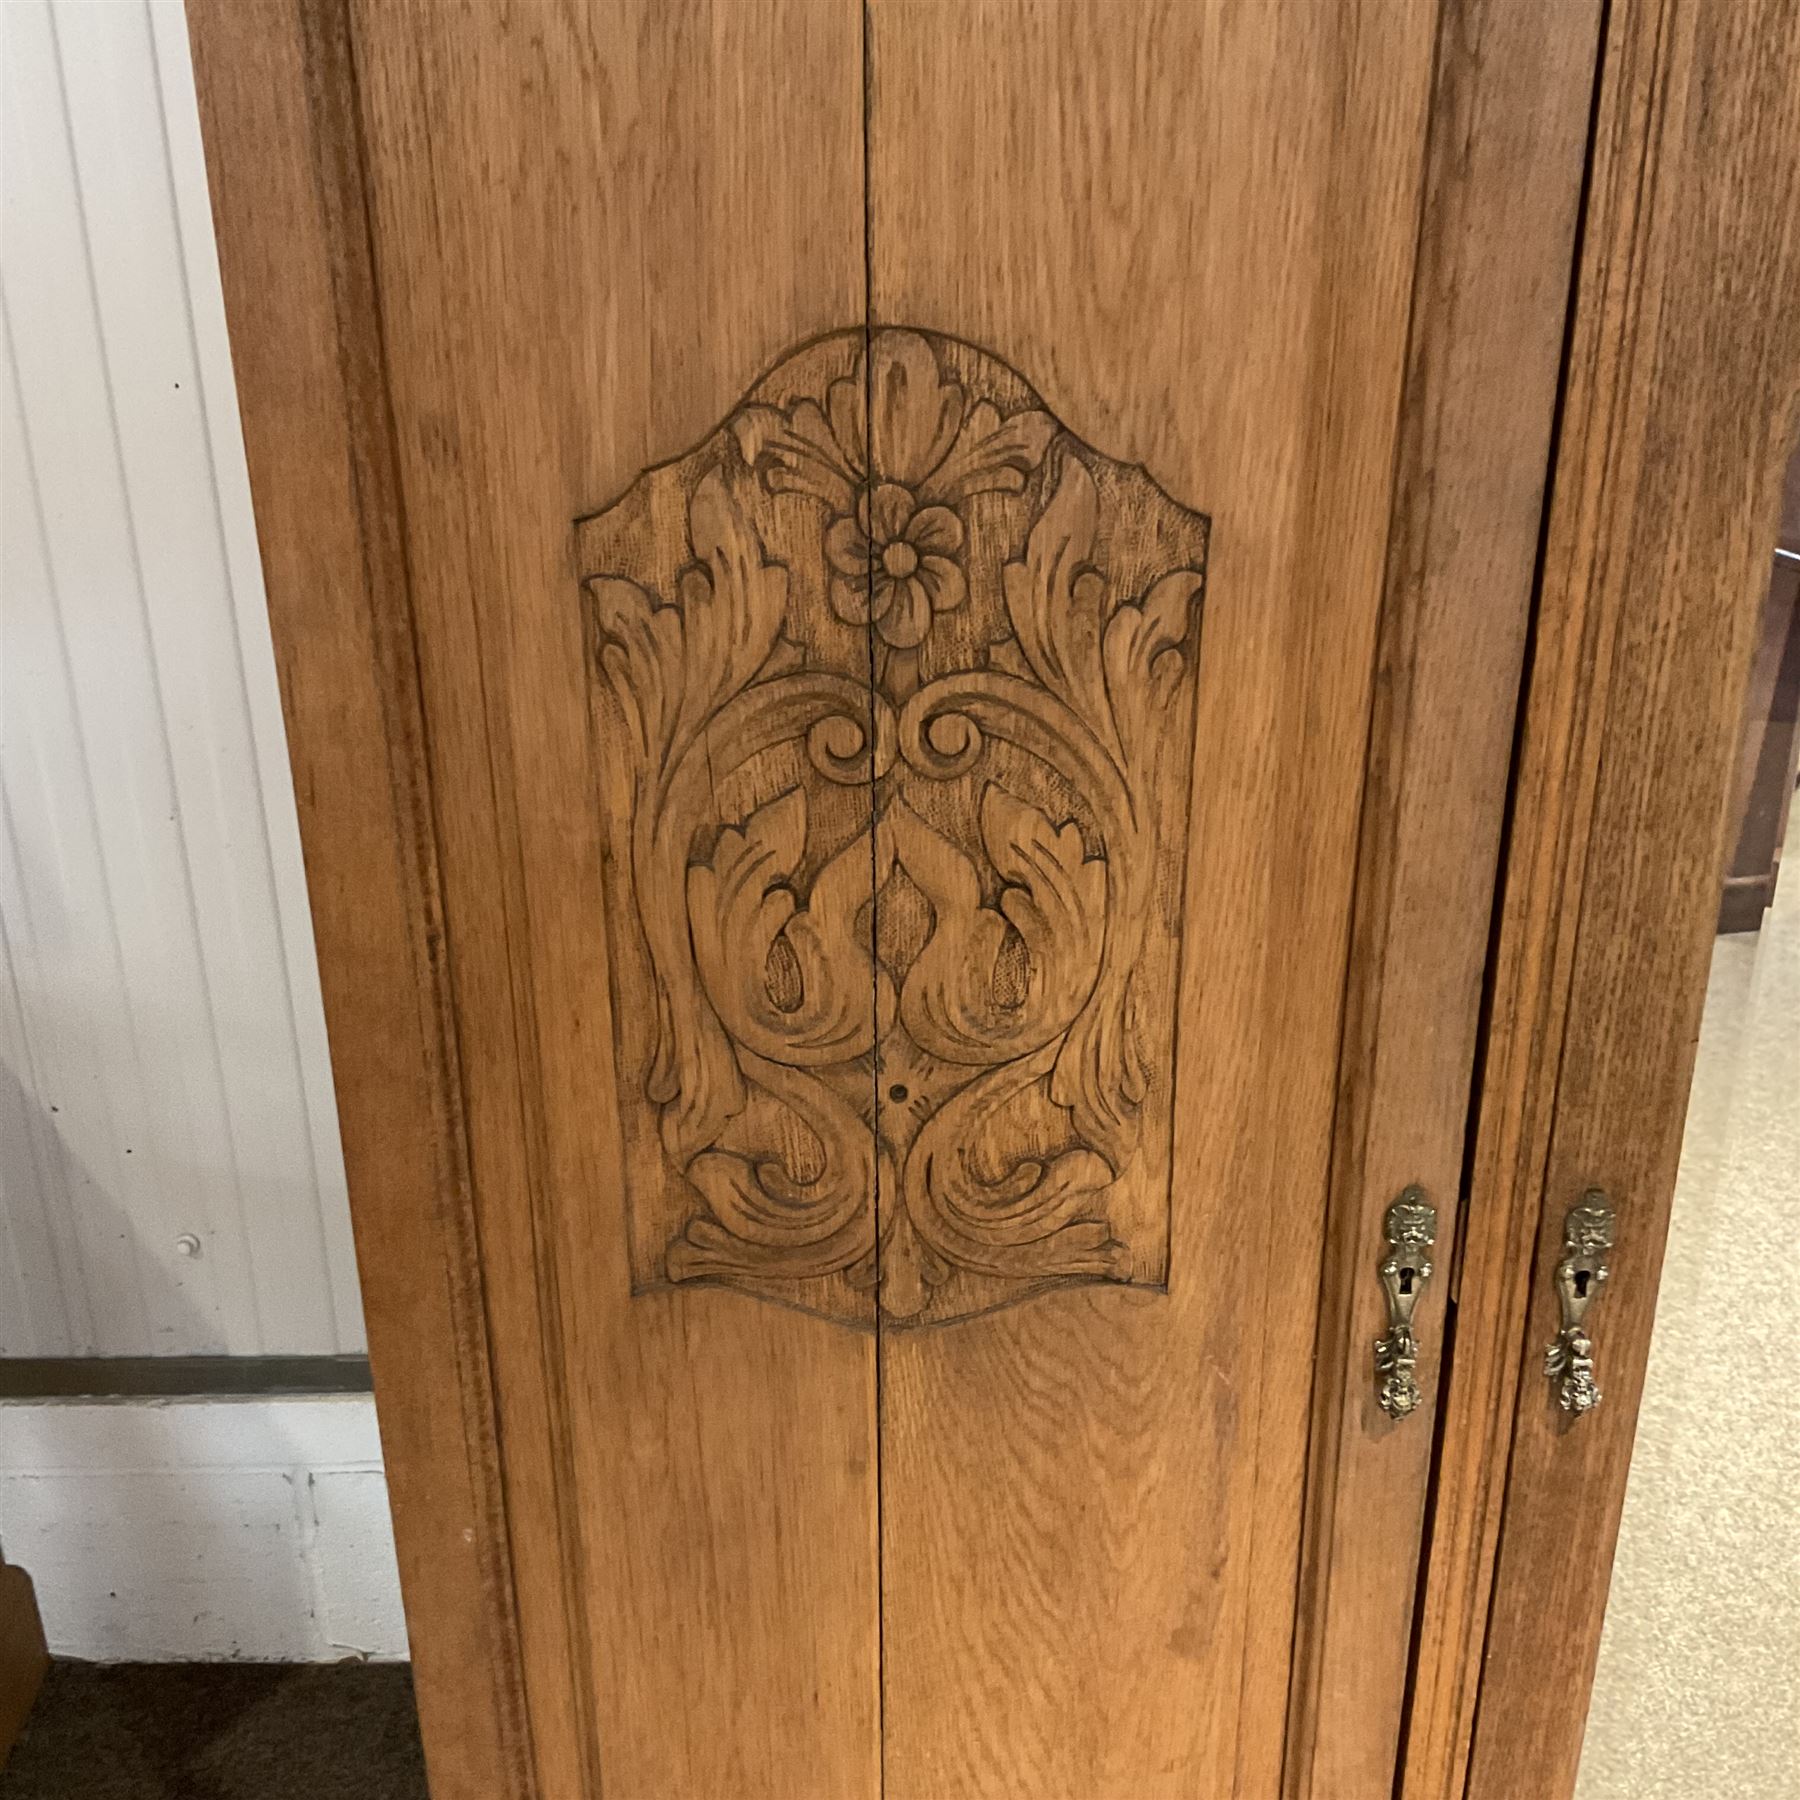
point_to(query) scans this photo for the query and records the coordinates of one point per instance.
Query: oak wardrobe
(1010, 768)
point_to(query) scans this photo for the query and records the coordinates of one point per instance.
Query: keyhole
(1406, 1280)
(1582, 1278)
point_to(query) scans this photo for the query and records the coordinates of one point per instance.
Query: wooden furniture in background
(23, 1656)
(1769, 757)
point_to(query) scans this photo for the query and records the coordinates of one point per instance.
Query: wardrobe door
(900, 628)
(1239, 318)
(488, 265)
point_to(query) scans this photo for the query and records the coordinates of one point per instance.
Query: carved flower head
(894, 453)
(892, 564)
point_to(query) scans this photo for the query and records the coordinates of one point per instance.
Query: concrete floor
(1698, 1692)
(220, 1731)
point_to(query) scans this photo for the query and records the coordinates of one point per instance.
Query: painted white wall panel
(175, 1531)
(163, 1074)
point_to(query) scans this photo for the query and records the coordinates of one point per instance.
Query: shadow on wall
(87, 1279)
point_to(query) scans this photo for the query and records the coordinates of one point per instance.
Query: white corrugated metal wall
(170, 1178)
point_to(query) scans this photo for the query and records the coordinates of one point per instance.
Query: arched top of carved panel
(894, 692)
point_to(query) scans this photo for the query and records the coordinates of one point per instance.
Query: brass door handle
(1582, 1273)
(1411, 1228)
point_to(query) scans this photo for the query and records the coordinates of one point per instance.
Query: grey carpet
(220, 1731)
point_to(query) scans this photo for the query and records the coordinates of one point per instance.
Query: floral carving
(895, 564)
(894, 708)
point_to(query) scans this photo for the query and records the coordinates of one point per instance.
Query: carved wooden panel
(894, 689)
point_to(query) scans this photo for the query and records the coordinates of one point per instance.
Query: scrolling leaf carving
(894, 700)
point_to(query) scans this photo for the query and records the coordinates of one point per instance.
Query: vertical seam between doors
(868, 323)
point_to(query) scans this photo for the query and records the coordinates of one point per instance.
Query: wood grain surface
(1682, 407)
(1511, 100)
(278, 110)
(594, 228)
(588, 231)
(1148, 362)
(1194, 230)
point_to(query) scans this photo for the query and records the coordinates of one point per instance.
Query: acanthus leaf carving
(1054, 907)
(907, 707)
(742, 914)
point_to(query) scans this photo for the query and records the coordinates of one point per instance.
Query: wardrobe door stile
(278, 109)
(1511, 100)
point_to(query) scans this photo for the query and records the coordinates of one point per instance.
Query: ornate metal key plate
(1411, 1228)
(1588, 1235)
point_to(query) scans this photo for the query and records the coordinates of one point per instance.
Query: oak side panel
(1703, 110)
(277, 103)
(1510, 107)
(1191, 229)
